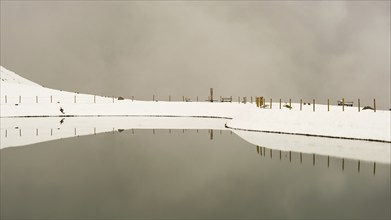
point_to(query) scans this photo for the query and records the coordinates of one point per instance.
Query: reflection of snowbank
(25, 131)
(350, 149)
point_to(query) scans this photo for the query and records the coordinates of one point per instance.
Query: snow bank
(23, 98)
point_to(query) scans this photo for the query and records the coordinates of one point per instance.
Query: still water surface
(184, 175)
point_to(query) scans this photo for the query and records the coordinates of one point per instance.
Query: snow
(22, 98)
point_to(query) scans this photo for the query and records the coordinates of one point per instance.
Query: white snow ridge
(25, 103)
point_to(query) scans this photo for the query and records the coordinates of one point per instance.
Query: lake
(185, 173)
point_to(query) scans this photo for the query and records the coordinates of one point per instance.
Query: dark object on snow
(367, 107)
(121, 98)
(62, 110)
(121, 130)
(345, 103)
(288, 106)
(16, 104)
(62, 121)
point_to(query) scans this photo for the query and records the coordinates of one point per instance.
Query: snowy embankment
(23, 98)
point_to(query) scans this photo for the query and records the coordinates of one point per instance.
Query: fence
(260, 101)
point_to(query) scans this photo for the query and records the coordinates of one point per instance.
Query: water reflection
(25, 131)
(146, 170)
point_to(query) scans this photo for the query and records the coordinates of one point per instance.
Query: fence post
(358, 105)
(290, 102)
(374, 104)
(301, 104)
(343, 104)
(328, 105)
(51, 99)
(280, 103)
(271, 103)
(313, 104)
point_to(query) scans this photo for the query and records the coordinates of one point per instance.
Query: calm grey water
(183, 175)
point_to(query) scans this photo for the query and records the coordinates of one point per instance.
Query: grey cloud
(277, 49)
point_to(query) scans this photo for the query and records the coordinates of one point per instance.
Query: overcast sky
(287, 49)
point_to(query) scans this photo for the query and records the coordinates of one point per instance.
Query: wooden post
(374, 168)
(301, 104)
(271, 153)
(211, 134)
(290, 156)
(271, 103)
(211, 94)
(51, 131)
(51, 99)
(358, 105)
(313, 159)
(280, 103)
(36, 132)
(374, 105)
(313, 104)
(328, 105)
(343, 104)
(301, 157)
(36, 99)
(290, 102)
(343, 164)
(328, 161)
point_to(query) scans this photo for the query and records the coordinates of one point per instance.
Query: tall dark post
(358, 105)
(301, 104)
(211, 134)
(374, 105)
(343, 104)
(313, 106)
(358, 166)
(328, 105)
(211, 94)
(280, 103)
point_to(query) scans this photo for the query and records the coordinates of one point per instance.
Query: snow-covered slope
(11, 77)
(23, 98)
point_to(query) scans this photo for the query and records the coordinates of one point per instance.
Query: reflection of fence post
(6, 99)
(313, 104)
(36, 132)
(374, 105)
(358, 105)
